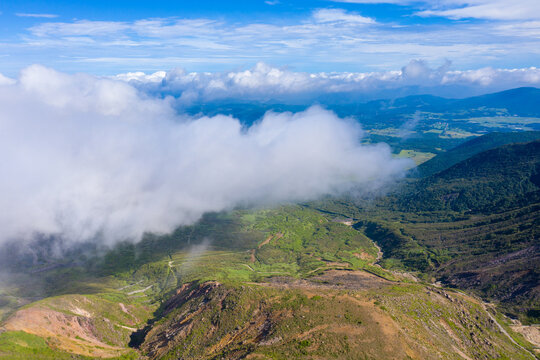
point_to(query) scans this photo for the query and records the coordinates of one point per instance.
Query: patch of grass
(18, 345)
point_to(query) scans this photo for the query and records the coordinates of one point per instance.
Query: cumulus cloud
(267, 83)
(4, 80)
(93, 158)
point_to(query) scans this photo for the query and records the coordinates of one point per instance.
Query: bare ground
(332, 279)
(72, 333)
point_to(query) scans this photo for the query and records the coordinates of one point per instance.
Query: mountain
(520, 101)
(472, 147)
(344, 315)
(473, 226)
(491, 181)
(442, 267)
(288, 282)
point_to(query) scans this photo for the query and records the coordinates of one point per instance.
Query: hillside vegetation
(472, 147)
(281, 283)
(492, 181)
(402, 276)
(474, 225)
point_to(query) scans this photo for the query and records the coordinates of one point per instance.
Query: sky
(111, 37)
(94, 142)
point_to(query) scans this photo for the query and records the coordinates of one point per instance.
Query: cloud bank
(267, 83)
(86, 158)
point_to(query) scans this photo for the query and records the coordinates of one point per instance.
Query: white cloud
(332, 15)
(46, 16)
(323, 39)
(399, 2)
(85, 157)
(529, 29)
(461, 9)
(4, 80)
(267, 83)
(139, 76)
(79, 28)
(501, 78)
(484, 9)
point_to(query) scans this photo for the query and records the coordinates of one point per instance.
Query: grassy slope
(492, 181)
(226, 247)
(472, 147)
(391, 320)
(495, 256)
(290, 243)
(474, 226)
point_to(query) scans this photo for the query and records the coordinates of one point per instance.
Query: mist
(85, 158)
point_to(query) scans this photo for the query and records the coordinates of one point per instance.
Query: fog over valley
(94, 158)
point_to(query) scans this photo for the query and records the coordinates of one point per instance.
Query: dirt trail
(379, 252)
(270, 238)
(139, 291)
(128, 286)
(252, 257)
(249, 267)
(502, 329)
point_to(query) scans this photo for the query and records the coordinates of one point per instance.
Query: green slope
(491, 181)
(472, 147)
(474, 226)
(282, 283)
(324, 319)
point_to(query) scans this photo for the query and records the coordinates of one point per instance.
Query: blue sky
(109, 37)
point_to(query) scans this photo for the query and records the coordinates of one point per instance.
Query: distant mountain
(472, 147)
(523, 101)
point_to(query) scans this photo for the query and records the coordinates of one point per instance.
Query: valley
(444, 264)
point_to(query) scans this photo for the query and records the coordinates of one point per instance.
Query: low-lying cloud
(86, 158)
(266, 83)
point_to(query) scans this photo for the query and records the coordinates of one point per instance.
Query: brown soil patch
(270, 238)
(310, 331)
(363, 256)
(333, 279)
(71, 333)
(531, 333)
